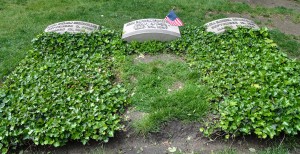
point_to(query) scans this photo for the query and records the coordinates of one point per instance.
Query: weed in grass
(258, 22)
(165, 90)
(267, 15)
(296, 19)
(269, 21)
(283, 10)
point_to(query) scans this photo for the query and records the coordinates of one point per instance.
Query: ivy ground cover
(256, 86)
(66, 88)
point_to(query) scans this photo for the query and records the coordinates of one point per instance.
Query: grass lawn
(164, 89)
(22, 20)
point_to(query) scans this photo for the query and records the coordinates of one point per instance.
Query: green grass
(166, 91)
(274, 150)
(22, 20)
(287, 43)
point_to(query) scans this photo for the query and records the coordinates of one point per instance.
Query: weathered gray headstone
(72, 27)
(150, 29)
(218, 26)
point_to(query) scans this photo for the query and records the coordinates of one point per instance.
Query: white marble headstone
(72, 27)
(218, 26)
(150, 29)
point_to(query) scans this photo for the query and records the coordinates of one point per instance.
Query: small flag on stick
(172, 19)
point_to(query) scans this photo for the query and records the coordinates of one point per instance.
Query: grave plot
(63, 90)
(67, 87)
(231, 85)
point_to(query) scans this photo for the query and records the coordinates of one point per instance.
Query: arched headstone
(218, 26)
(72, 27)
(150, 29)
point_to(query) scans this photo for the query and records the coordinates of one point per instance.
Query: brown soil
(185, 137)
(283, 23)
(290, 4)
(176, 86)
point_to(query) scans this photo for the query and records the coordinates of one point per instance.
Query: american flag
(172, 19)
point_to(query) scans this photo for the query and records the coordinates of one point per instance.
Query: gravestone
(218, 26)
(72, 27)
(150, 29)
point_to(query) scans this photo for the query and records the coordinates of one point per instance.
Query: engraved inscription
(148, 24)
(220, 25)
(150, 29)
(72, 27)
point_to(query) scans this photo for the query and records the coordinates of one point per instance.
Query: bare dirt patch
(176, 86)
(133, 115)
(183, 137)
(283, 23)
(291, 4)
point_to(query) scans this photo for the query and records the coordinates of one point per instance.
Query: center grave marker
(218, 26)
(72, 27)
(150, 29)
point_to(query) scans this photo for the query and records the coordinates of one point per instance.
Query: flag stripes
(172, 19)
(176, 22)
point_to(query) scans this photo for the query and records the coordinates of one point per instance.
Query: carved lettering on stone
(72, 27)
(150, 29)
(218, 26)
